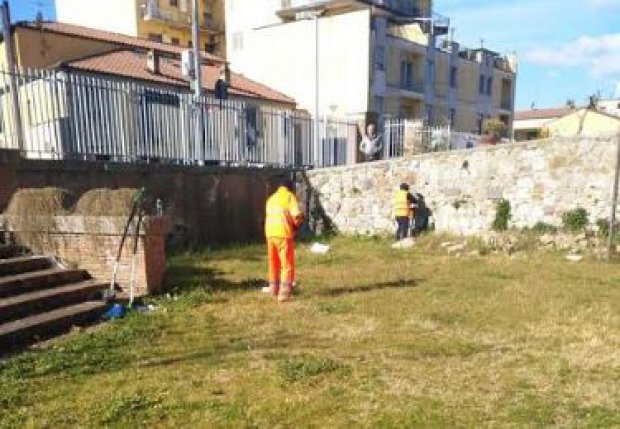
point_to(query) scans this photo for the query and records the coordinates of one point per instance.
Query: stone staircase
(39, 299)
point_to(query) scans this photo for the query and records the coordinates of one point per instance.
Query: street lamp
(315, 15)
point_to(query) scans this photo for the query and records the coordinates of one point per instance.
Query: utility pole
(12, 70)
(198, 123)
(316, 88)
(614, 203)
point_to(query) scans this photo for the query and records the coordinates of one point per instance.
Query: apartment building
(368, 58)
(167, 21)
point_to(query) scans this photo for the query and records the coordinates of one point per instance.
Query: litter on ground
(319, 248)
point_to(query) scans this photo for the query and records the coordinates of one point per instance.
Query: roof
(525, 115)
(132, 64)
(587, 111)
(108, 36)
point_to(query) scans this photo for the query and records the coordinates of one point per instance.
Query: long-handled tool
(135, 206)
(136, 238)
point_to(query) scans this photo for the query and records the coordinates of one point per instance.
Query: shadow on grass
(345, 290)
(223, 348)
(185, 278)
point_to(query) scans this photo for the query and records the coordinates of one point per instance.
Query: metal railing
(402, 135)
(67, 115)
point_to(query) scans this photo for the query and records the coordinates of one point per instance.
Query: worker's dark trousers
(403, 227)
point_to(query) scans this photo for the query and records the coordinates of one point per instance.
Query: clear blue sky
(566, 48)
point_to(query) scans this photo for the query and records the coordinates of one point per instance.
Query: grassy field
(375, 338)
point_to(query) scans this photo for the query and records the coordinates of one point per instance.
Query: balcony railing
(152, 12)
(412, 85)
(506, 105)
(401, 7)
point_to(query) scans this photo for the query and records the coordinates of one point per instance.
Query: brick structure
(91, 243)
(209, 204)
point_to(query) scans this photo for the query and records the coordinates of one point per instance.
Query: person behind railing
(372, 143)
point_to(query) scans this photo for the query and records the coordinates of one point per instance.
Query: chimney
(152, 61)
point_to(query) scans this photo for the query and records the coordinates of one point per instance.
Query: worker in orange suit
(282, 220)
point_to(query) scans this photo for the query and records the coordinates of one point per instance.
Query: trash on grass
(117, 311)
(319, 248)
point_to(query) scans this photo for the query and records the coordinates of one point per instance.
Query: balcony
(289, 8)
(412, 86)
(152, 12)
(411, 89)
(506, 105)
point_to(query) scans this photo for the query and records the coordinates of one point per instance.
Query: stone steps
(39, 299)
(37, 280)
(24, 264)
(10, 251)
(45, 325)
(44, 300)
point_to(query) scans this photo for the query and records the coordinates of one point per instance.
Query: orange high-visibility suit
(282, 219)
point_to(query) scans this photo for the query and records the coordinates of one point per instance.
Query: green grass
(375, 338)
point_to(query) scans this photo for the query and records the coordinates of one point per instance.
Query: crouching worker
(282, 220)
(403, 211)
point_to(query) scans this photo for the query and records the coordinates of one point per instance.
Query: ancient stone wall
(541, 180)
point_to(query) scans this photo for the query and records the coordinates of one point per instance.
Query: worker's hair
(404, 187)
(287, 183)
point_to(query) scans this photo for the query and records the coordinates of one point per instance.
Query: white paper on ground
(319, 248)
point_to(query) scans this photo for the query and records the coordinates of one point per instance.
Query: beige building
(167, 21)
(360, 58)
(529, 124)
(564, 122)
(587, 122)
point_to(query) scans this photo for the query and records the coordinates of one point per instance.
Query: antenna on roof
(481, 43)
(39, 16)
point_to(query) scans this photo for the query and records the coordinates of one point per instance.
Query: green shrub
(575, 220)
(543, 228)
(502, 215)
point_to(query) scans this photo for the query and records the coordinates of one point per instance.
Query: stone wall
(541, 179)
(208, 204)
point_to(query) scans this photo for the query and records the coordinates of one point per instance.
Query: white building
(369, 57)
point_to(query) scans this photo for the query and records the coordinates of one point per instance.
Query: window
(190, 44)
(237, 41)
(453, 76)
(481, 85)
(175, 41)
(480, 121)
(379, 106)
(489, 86)
(406, 74)
(174, 3)
(155, 37)
(380, 58)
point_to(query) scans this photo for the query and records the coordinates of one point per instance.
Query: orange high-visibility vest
(401, 204)
(282, 214)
